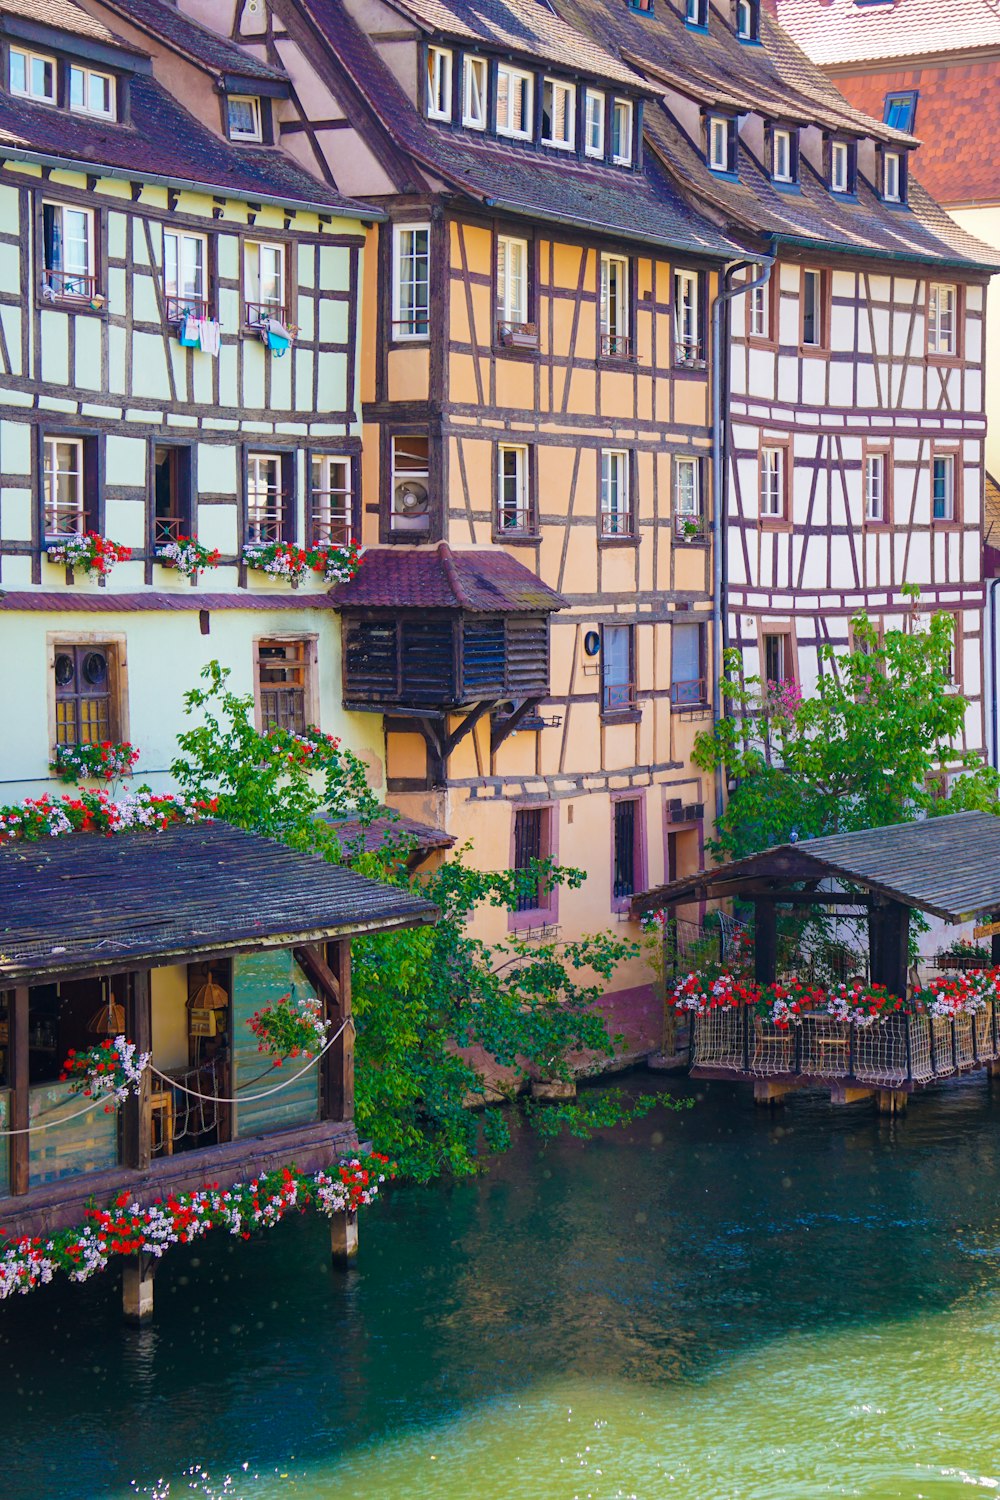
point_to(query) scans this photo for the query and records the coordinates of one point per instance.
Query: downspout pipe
(720, 488)
(994, 720)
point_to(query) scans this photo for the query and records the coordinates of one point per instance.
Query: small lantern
(109, 1018)
(203, 1006)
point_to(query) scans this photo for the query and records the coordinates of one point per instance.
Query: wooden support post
(137, 1289)
(891, 1101)
(339, 1061)
(19, 1144)
(847, 1093)
(137, 1125)
(768, 1091)
(765, 938)
(344, 1238)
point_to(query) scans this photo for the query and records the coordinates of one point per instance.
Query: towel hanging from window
(210, 336)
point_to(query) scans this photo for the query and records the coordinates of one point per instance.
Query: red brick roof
(841, 31)
(480, 582)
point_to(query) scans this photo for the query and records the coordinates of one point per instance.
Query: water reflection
(724, 1303)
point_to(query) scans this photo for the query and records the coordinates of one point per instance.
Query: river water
(717, 1304)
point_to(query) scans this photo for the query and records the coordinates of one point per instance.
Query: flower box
(90, 553)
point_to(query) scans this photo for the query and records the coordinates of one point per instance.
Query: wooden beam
(338, 1064)
(19, 1144)
(137, 1130)
(506, 727)
(467, 725)
(888, 946)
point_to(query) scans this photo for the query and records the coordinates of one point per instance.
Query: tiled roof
(388, 827)
(991, 512)
(185, 35)
(162, 140)
(62, 15)
(527, 27)
(841, 31)
(490, 582)
(105, 601)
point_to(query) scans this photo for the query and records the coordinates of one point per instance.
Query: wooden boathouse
(947, 867)
(173, 938)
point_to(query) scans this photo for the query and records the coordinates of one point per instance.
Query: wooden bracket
(506, 727)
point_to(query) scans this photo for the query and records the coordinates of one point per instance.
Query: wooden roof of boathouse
(948, 866)
(90, 904)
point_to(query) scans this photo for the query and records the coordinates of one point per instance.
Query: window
(687, 665)
(876, 486)
(687, 487)
(438, 83)
(772, 482)
(532, 842)
(171, 493)
(627, 874)
(410, 510)
(263, 281)
(284, 671)
(68, 244)
(842, 163)
(942, 328)
(330, 503)
(893, 177)
(943, 486)
(33, 74)
(512, 282)
(558, 114)
(474, 99)
(411, 281)
(515, 97)
(615, 306)
(721, 143)
(63, 486)
(593, 133)
(696, 12)
(617, 676)
(514, 509)
(264, 498)
(813, 310)
(621, 132)
(92, 93)
(900, 110)
(185, 275)
(784, 163)
(759, 306)
(777, 659)
(748, 20)
(687, 318)
(244, 118)
(86, 699)
(616, 493)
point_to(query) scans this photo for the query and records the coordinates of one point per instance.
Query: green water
(720, 1304)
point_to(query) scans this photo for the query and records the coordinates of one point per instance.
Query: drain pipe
(994, 723)
(719, 486)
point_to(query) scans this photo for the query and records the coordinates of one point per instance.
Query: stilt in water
(137, 1290)
(344, 1238)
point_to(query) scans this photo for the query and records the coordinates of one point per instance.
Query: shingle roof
(841, 31)
(526, 27)
(84, 901)
(490, 582)
(373, 836)
(62, 15)
(185, 35)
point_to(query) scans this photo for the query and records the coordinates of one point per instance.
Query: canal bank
(714, 1303)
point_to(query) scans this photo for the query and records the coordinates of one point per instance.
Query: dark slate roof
(162, 140)
(389, 826)
(948, 866)
(487, 582)
(184, 35)
(85, 902)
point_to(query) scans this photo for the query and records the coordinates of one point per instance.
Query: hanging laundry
(277, 337)
(189, 333)
(210, 336)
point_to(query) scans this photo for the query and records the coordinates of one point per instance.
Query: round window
(64, 669)
(95, 668)
(592, 642)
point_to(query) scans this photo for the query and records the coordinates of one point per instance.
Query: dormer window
(748, 20)
(558, 114)
(621, 132)
(243, 117)
(593, 130)
(784, 156)
(438, 83)
(475, 93)
(515, 99)
(893, 177)
(899, 110)
(696, 13)
(722, 143)
(33, 75)
(91, 93)
(842, 160)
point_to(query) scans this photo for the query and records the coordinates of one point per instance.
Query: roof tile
(484, 582)
(840, 31)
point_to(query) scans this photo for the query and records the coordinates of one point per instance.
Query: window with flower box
(269, 489)
(172, 493)
(87, 686)
(285, 683)
(331, 513)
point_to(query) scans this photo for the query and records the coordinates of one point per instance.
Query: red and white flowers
(188, 555)
(97, 812)
(90, 553)
(337, 562)
(290, 1028)
(856, 1003)
(110, 1071)
(104, 762)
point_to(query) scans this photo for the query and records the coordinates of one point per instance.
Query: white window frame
(512, 279)
(687, 488)
(280, 308)
(331, 517)
(814, 278)
(475, 92)
(876, 476)
(399, 521)
(63, 276)
(782, 138)
(616, 492)
(51, 470)
(942, 321)
(567, 91)
(892, 177)
(687, 317)
(88, 75)
(593, 127)
(182, 237)
(615, 303)
(772, 482)
(949, 469)
(525, 83)
(759, 306)
(719, 130)
(696, 13)
(523, 524)
(409, 333)
(439, 77)
(263, 519)
(624, 110)
(29, 58)
(745, 29)
(840, 167)
(256, 134)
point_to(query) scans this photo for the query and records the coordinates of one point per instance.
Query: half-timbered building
(153, 240)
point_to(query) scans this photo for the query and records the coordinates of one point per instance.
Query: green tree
(868, 748)
(435, 1007)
